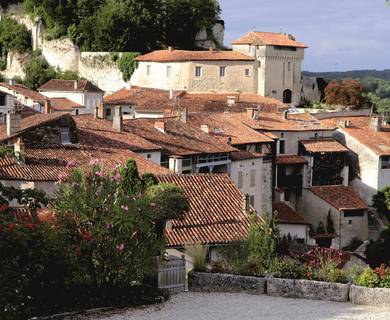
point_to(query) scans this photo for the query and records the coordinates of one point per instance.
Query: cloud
(355, 34)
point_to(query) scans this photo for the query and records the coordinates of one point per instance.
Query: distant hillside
(354, 74)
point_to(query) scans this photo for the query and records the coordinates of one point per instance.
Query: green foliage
(368, 278)
(282, 268)
(13, 36)
(126, 25)
(6, 151)
(377, 252)
(381, 201)
(29, 198)
(38, 72)
(127, 64)
(329, 272)
(320, 228)
(198, 254)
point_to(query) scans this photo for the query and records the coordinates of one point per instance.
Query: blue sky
(341, 34)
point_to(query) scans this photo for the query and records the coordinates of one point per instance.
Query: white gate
(172, 274)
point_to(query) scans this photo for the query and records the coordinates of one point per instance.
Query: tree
(127, 64)
(38, 72)
(13, 36)
(112, 222)
(348, 93)
(381, 201)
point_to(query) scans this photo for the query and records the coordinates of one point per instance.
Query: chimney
(11, 82)
(375, 123)
(160, 126)
(171, 94)
(170, 49)
(96, 113)
(211, 49)
(205, 128)
(229, 141)
(13, 123)
(75, 84)
(245, 203)
(47, 106)
(231, 100)
(183, 115)
(19, 151)
(250, 113)
(117, 120)
(343, 123)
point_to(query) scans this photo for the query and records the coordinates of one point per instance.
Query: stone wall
(213, 38)
(61, 54)
(217, 282)
(370, 296)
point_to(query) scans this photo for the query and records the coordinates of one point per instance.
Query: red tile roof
(287, 215)
(47, 164)
(148, 99)
(340, 197)
(228, 125)
(329, 145)
(63, 104)
(178, 138)
(290, 159)
(32, 121)
(215, 215)
(259, 38)
(100, 133)
(360, 130)
(244, 155)
(23, 90)
(69, 85)
(184, 55)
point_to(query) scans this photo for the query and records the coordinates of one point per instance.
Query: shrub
(13, 36)
(127, 64)
(198, 254)
(368, 278)
(346, 92)
(38, 72)
(281, 268)
(329, 272)
(377, 252)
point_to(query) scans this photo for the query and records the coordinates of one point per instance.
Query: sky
(341, 34)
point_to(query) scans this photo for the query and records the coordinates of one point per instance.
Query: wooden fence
(172, 274)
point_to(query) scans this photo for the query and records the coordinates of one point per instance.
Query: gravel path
(222, 306)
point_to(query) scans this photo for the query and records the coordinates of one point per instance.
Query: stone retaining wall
(370, 296)
(217, 282)
(308, 289)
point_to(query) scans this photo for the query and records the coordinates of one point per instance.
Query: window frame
(198, 74)
(252, 178)
(240, 179)
(148, 70)
(169, 71)
(222, 71)
(65, 136)
(249, 74)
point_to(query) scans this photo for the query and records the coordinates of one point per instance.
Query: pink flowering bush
(115, 221)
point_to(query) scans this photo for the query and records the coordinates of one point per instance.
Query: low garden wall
(370, 296)
(290, 288)
(218, 282)
(308, 289)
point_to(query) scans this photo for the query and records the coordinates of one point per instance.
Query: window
(258, 148)
(3, 100)
(247, 72)
(285, 48)
(385, 162)
(187, 163)
(240, 182)
(252, 200)
(148, 70)
(252, 178)
(148, 156)
(198, 71)
(65, 136)
(169, 71)
(108, 112)
(222, 71)
(77, 112)
(289, 66)
(281, 146)
(274, 92)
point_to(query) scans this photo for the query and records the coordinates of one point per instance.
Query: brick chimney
(19, 151)
(160, 126)
(47, 109)
(245, 203)
(13, 123)
(117, 121)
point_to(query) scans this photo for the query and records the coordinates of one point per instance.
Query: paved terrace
(222, 306)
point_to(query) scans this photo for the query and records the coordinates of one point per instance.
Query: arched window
(287, 96)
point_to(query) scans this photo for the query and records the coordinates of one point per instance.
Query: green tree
(13, 36)
(38, 72)
(127, 64)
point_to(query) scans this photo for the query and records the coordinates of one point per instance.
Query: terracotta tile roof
(100, 133)
(178, 138)
(23, 90)
(360, 130)
(290, 159)
(30, 122)
(340, 197)
(260, 38)
(184, 55)
(244, 155)
(69, 85)
(275, 121)
(47, 164)
(286, 214)
(215, 215)
(228, 125)
(63, 104)
(328, 145)
(148, 99)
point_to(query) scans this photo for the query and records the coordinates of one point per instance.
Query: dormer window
(65, 136)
